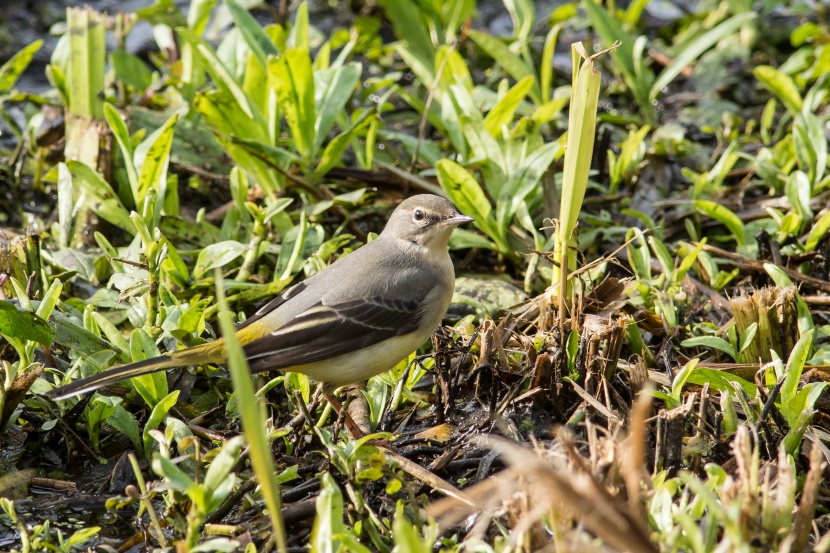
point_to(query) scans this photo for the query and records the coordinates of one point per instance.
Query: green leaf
(468, 196)
(410, 25)
(17, 64)
(152, 387)
(252, 413)
(124, 421)
(152, 157)
(158, 413)
(579, 150)
(681, 378)
(818, 232)
(747, 336)
(502, 113)
(217, 255)
(23, 324)
(333, 89)
(720, 380)
(255, 37)
(131, 70)
(223, 78)
(80, 536)
(292, 78)
(795, 366)
(711, 342)
(122, 137)
(218, 483)
(781, 85)
(693, 50)
(510, 62)
(329, 520)
(724, 215)
(100, 196)
(406, 535)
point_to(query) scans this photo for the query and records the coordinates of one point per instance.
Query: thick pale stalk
(582, 121)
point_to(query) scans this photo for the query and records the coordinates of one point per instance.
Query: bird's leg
(351, 426)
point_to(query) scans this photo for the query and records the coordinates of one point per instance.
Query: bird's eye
(419, 215)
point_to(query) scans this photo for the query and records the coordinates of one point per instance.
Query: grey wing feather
(326, 331)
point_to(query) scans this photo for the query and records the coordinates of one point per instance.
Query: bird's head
(425, 220)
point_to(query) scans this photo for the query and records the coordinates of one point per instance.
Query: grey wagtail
(356, 318)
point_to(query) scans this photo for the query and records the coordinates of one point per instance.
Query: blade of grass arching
(724, 215)
(253, 418)
(153, 155)
(122, 135)
(222, 78)
(502, 113)
(546, 67)
(693, 51)
(256, 38)
(12, 69)
(582, 121)
(410, 26)
(610, 31)
(514, 65)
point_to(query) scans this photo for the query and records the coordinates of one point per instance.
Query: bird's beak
(456, 220)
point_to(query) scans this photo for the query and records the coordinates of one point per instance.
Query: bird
(356, 318)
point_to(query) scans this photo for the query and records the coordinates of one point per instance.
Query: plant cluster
(641, 309)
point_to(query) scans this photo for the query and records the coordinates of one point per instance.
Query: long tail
(211, 352)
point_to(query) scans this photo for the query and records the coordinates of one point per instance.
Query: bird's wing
(326, 331)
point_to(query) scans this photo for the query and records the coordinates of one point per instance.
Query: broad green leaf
(218, 482)
(158, 413)
(217, 255)
(747, 336)
(152, 157)
(713, 342)
(292, 78)
(257, 40)
(131, 70)
(778, 276)
(781, 85)
(681, 378)
(407, 536)
(818, 232)
(299, 30)
(795, 366)
(411, 27)
(100, 196)
(501, 116)
(222, 77)
(23, 324)
(724, 215)
(720, 380)
(124, 421)
(17, 64)
(152, 387)
(465, 192)
(226, 116)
